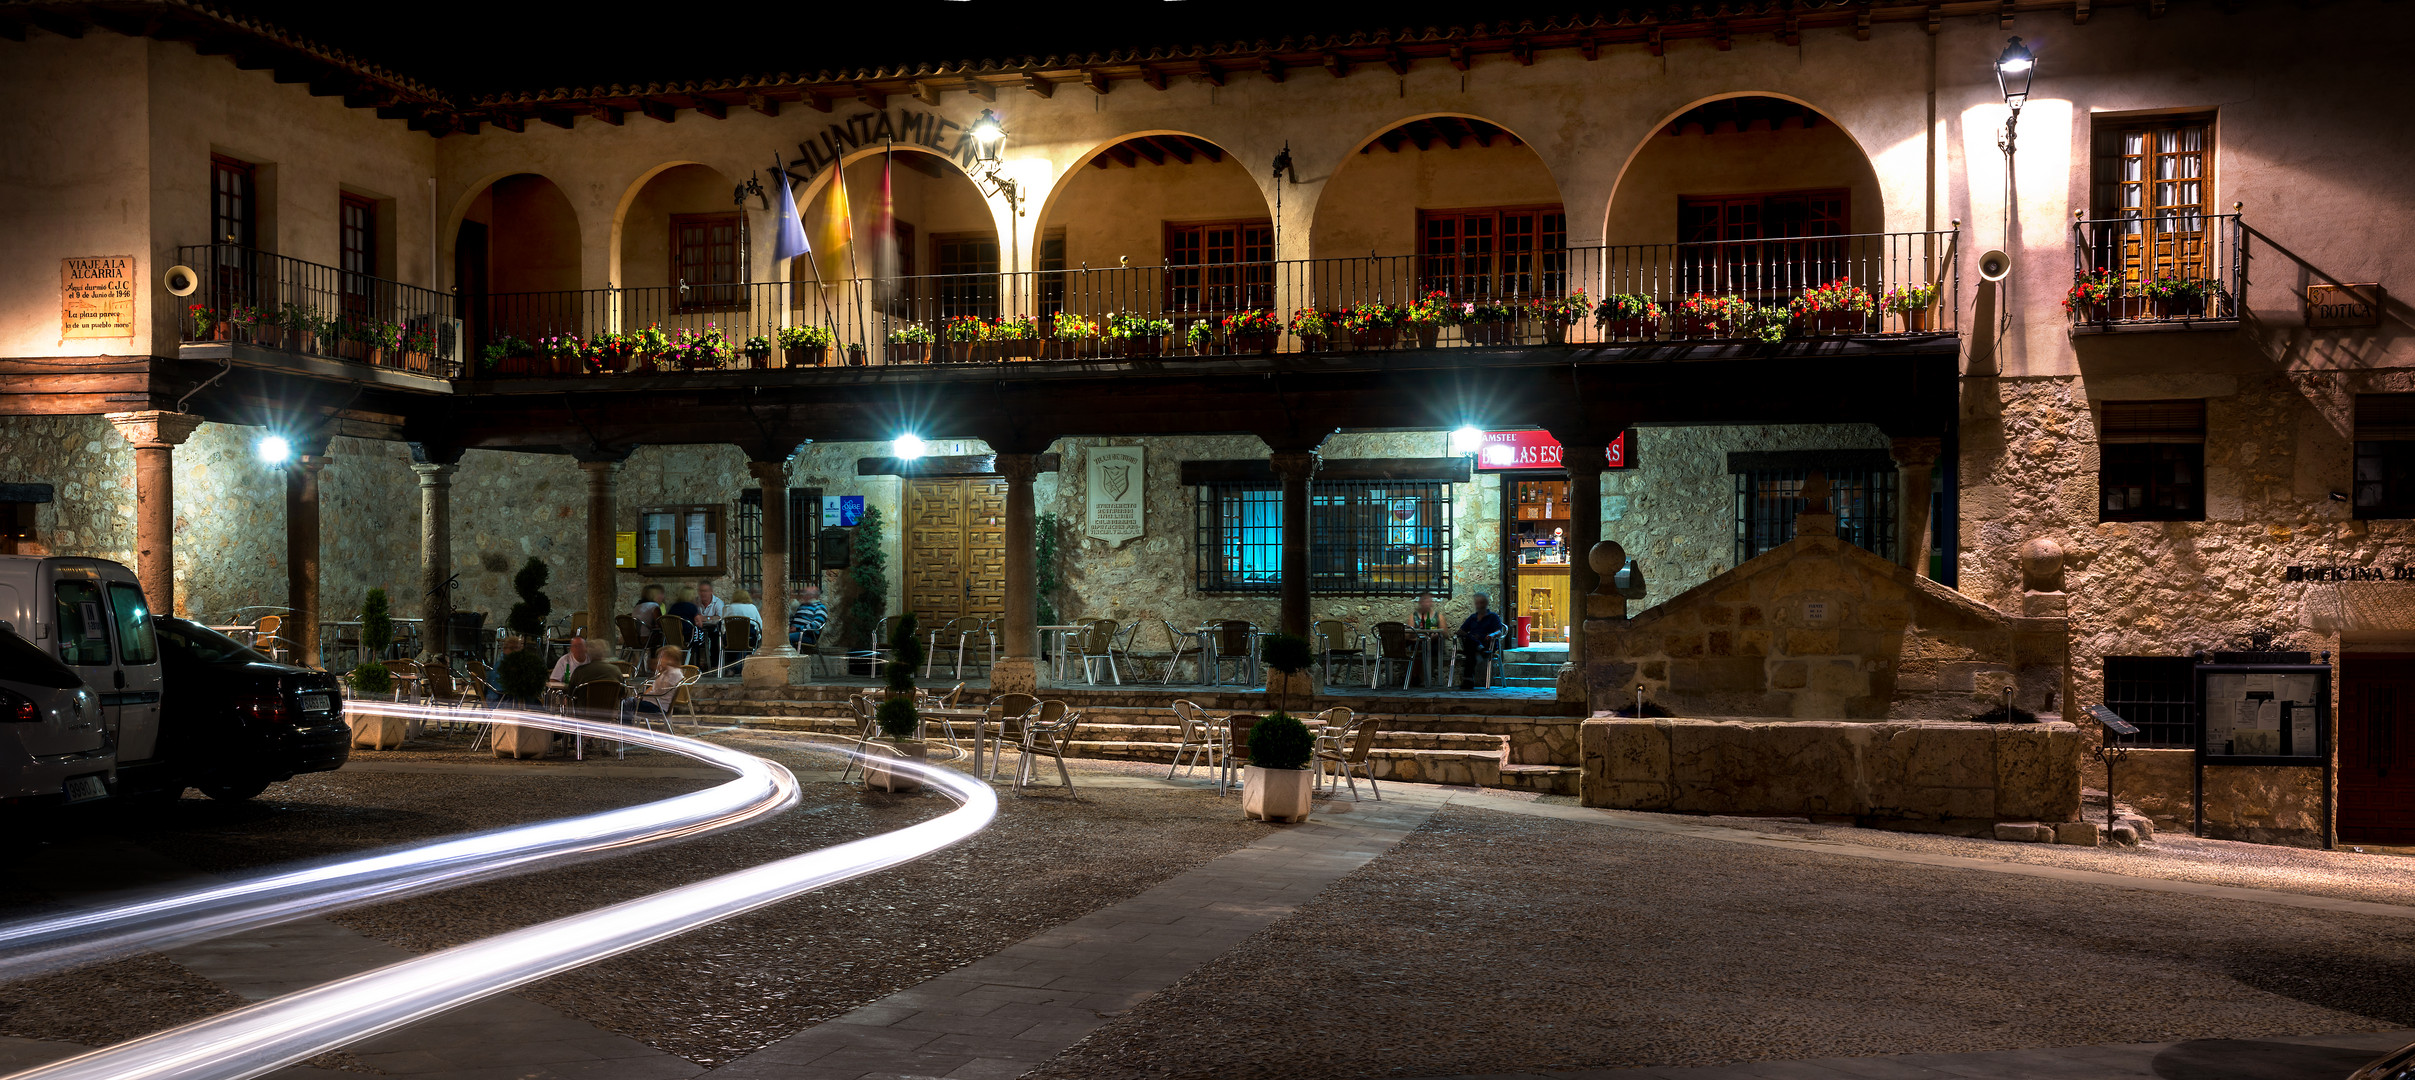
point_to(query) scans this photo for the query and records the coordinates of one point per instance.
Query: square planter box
(1276, 794)
(879, 777)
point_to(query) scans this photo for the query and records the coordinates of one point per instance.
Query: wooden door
(955, 549)
(2377, 747)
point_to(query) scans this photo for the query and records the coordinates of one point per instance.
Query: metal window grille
(1767, 501)
(2158, 694)
(804, 539)
(749, 540)
(1366, 538)
(2385, 455)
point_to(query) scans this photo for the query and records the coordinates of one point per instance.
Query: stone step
(1547, 779)
(1165, 736)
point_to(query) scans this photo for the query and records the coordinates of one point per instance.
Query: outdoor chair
(877, 652)
(1334, 733)
(1399, 649)
(406, 681)
(737, 642)
(601, 701)
(1236, 749)
(1015, 714)
(958, 633)
(1497, 644)
(632, 636)
(673, 630)
(267, 637)
(867, 725)
(1337, 643)
(1048, 734)
(690, 674)
(1235, 640)
(1349, 752)
(1179, 643)
(1098, 645)
(1201, 737)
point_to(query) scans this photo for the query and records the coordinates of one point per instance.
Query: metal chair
(1098, 643)
(868, 723)
(633, 638)
(685, 695)
(737, 642)
(1235, 640)
(1236, 748)
(600, 700)
(879, 650)
(1178, 644)
(1201, 737)
(962, 630)
(1498, 642)
(1047, 734)
(1337, 643)
(1398, 648)
(1349, 751)
(1015, 713)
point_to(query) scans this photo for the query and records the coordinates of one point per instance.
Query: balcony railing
(1864, 285)
(2169, 269)
(254, 297)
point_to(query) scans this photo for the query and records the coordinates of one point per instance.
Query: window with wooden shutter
(357, 256)
(2151, 461)
(1493, 251)
(708, 261)
(2385, 456)
(1220, 267)
(1761, 246)
(967, 265)
(2153, 175)
(234, 224)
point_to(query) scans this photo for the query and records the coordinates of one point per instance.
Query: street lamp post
(2014, 67)
(989, 137)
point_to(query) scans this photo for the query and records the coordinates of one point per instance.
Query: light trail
(259, 1038)
(167, 919)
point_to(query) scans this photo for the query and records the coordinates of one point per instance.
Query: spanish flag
(836, 231)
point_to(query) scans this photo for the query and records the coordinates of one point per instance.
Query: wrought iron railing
(2174, 268)
(248, 296)
(1835, 286)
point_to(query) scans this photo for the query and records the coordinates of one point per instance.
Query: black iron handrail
(2173, 267)
(247, 296)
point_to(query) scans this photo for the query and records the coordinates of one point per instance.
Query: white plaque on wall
(1113, 504)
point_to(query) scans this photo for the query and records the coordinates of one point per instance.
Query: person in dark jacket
(1476, 640)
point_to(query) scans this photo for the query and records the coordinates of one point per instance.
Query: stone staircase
(1534, 666)
(1519, 751)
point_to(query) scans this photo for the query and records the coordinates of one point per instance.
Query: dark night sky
(471, 48)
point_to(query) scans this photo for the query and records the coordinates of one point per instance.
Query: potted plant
(207, 326)
(1069, 335)
(1277, 785)
(506, 356)
(1489, 322)
(1313, 327)
(371, 679)
(300, 327)
(2092, 297)
(758, 352)
(701, 350)
(1253, 331)
(2178, 297)
(560, 353)
(419, 350)
(609, 351)
(1200, 335)
(1373, 325)
(255, 326)
(1429, 315)
(1014, 337)
(900, 726)
(805, 346)
(869, 573)
(963, 334)
(1837, 308)
(1556, 312)
(1289, 657)
(1627, 317)
(1137, 335)
(1911, 304)
(1701, 316)
(649, 347)
(910, 344)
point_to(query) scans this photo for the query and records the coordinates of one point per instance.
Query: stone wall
(2260, 803)
(1675, 513)
(1946, 775)
(1820, 629)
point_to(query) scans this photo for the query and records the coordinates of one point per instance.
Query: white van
(90, 613)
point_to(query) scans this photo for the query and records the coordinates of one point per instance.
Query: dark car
(233, 721)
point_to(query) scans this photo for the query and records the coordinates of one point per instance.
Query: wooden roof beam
(873, 97)
(1272, 68)
(1180, 147)
(1453, 130)
(1523, 50)
(606, 114)
(1124, 156)
(716, 109)
(1096, 80)
(1338, 65)
(982, 90)
(1421, 133)
(762, 103)
(558, 118)
(658, 110)
(1397, 60)
(1590, 46)
(1146, 146)
(815, 101)
(510, 123)
(1037, 85)
(1154, 78)
(926, 93)
(1211, 74)
(1209, 150)
(1458, 56)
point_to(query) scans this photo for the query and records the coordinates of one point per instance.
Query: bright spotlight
(275, 450)
(1466, 440)
(910, 446)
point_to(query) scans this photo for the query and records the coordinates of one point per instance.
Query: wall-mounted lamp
(1467, 440)
(2015, 66)
(910, 446)
(989, 137)
(274, 449)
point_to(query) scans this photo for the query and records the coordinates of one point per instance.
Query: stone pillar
(435, 556)
(1585, 462)
(1295, 469)
(155, 435)
(603, 589)
(302, 555)
(1604, 610)
(1915, 463)
(773, 664)
(1018, 671)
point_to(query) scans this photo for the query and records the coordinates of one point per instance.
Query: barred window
(1769, 493)
(804, 539)
(1366, 537)
(2151, 461)
(2157, 694)
(2385, 456)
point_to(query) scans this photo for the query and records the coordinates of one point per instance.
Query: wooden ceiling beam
(873, 97)
(1154, 78)
(658, 110)
(1096, 80)
(1124, 156)
(1421, 133)
(1397, 60)
(1037, 85)
(556, 117)
(1211, 74)
(606, 114)
(1459, 56)
(815, 101)
(1208, 150)
(716, 109)
(1146, 146)
(1452, 129)
(1180, 147)
(1523, 51)
(1272, 68)
(982, 90)
(510, 123)
(1338, 65)
(763, 103)
(926, 92)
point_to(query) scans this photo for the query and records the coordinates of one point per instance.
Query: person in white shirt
(742, 606)
(571, 659)
(656, 697)
(708, 606)
(709, 610)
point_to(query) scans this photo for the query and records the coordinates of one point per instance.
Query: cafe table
(981, 718)
(1428, 646)
(1211, 658)
(1056, 655)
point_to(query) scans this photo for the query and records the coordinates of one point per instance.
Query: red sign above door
(1535, 449)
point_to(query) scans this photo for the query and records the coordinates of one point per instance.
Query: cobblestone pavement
(1493, 942)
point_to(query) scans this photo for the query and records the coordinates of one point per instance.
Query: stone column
(1018, 671)
(155, 435)
(1295, 469)
(1585, 461)
(302, 555)
(603, 589)
(1915, 463)
(772, 664)
(435, 556)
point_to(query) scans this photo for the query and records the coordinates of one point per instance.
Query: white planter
(1276, 794)
(879, 777)
(520, 741)
(375, 731)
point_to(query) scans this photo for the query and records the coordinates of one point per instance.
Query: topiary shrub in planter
(371, 679)
(899, 723)
(521, 675)
(1276, 785)
(1288, 656)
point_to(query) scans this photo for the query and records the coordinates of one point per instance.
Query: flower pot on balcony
(2180, 307)
(806, 355)
(1253, 344)
(1637, 329)
(1016, 348)
(1427, 334)
(375, 355)
(1555, 332)
(1835, 323)
(1142, 346)
(855, 356)
(1376, 337)
(1311, 343)
(1694, 327)
(1914, 322)
(1276, 794)
(909, 352)
(879, 776)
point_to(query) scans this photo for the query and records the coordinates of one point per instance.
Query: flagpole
(811, 263)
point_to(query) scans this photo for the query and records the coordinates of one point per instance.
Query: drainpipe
(435, 277)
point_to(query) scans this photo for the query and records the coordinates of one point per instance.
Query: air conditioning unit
(446, 332)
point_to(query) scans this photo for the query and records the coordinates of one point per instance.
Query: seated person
(1476, 640)
(648, 611)
(571, 659)
(708, 605)
(664, 686)
(685, 605)
(742, 606)
(594, 669)
(1426, 616)
(512, 643)
(805, 626)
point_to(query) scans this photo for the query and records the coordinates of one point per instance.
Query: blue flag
(787, 234)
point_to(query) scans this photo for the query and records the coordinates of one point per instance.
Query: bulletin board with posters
(2264, 715)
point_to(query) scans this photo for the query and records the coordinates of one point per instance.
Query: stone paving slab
(999, 1016)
